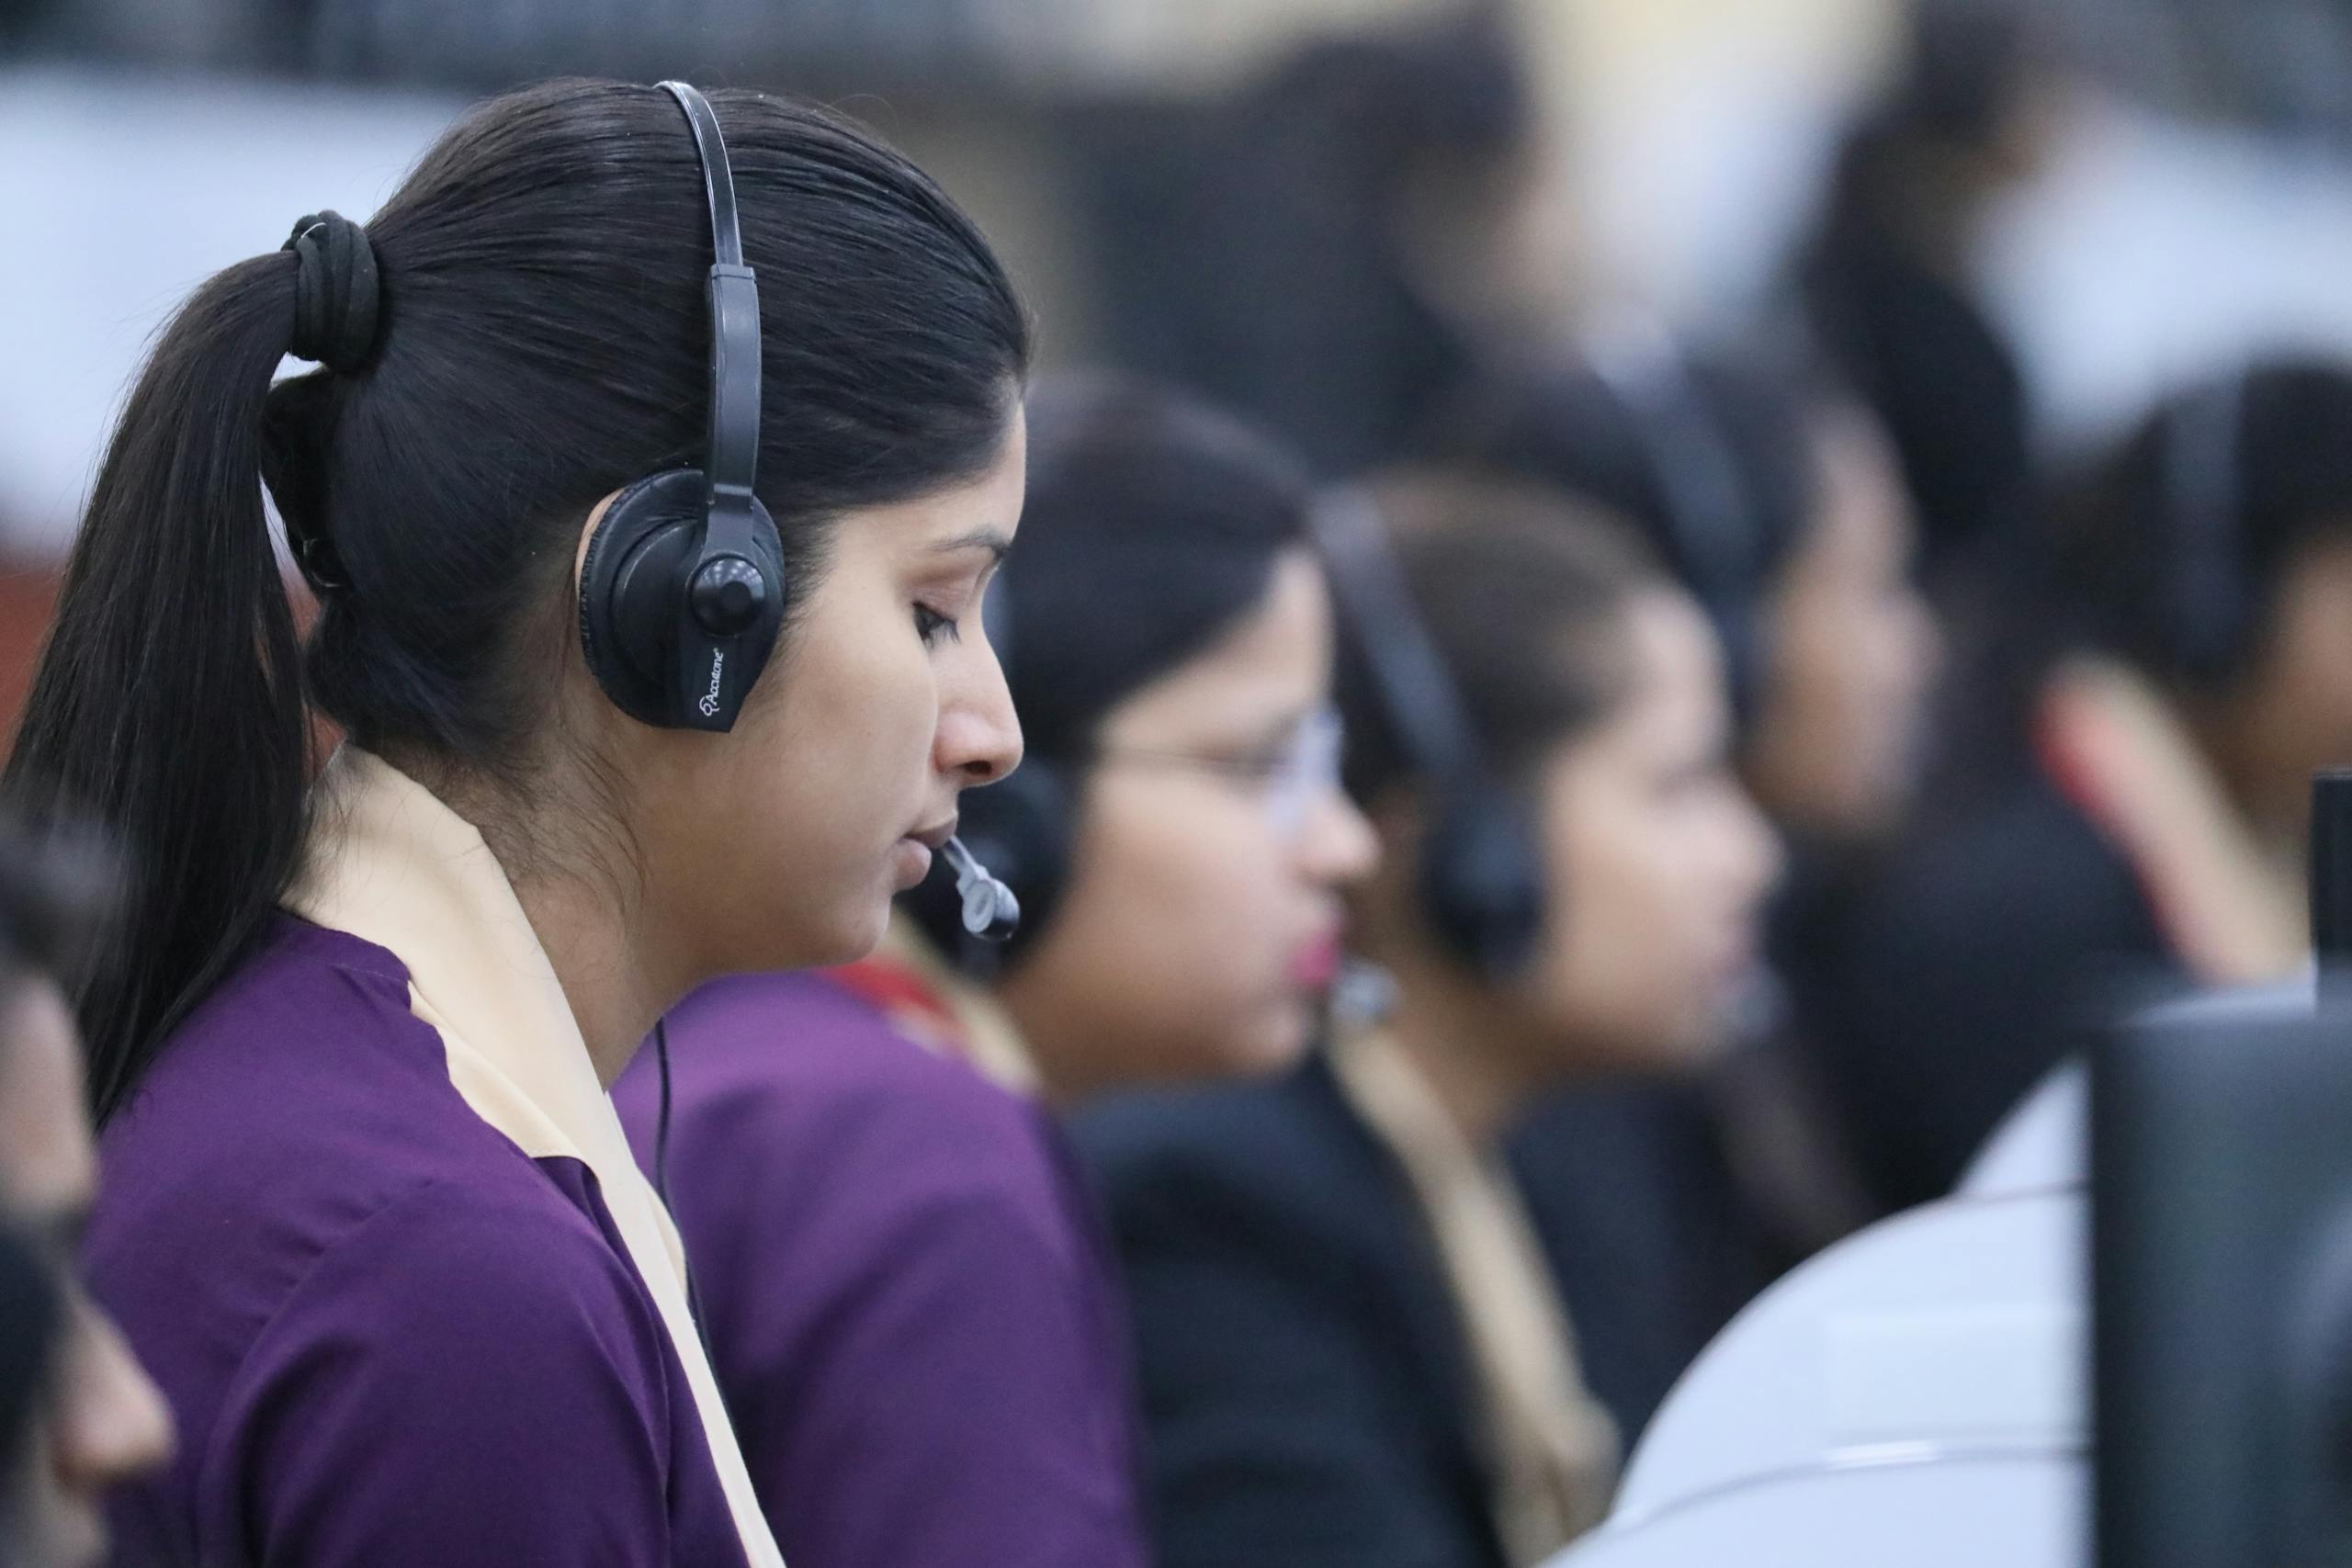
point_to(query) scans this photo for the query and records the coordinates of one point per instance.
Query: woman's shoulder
(303, 1114)
(797, 1070)
(1284, 1152)
(490, 1319)
(305, 1069)
(801, 1112)
(476, 1267)
(2027, 866)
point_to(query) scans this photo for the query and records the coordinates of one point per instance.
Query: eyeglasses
(1293, 777)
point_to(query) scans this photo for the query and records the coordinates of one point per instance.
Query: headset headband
(732, 460)
(1709, 514)
(1416, 688)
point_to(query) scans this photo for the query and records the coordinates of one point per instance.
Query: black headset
(683, 590)
(681, 594)
(2207, 605)
(1481, 875)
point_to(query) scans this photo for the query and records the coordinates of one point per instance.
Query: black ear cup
(1482, 883)
(633, 594)
(1021, 828)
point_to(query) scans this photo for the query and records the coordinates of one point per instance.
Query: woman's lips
(1314, 966)
(910, 862)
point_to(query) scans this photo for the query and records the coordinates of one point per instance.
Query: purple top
(388, 1335)
(912, 1317)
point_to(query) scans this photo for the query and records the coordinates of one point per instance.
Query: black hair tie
(335, 292)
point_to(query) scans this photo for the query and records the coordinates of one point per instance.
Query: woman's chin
(1279, 1040)
(859, 932)
(845, 934)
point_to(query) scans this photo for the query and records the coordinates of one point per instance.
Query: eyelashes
(933, 627)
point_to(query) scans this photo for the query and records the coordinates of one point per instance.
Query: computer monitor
(2221, 1273)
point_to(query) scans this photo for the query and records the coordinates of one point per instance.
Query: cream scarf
(1555, 1447)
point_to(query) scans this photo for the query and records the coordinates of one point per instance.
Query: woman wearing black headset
(2176, 673)
(1353, 1350)
(911, 1312)
(1775, 498)
(368, 1213)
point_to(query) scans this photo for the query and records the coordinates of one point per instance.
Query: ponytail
(168, 700)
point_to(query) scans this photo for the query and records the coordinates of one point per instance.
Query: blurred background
(2185, 195)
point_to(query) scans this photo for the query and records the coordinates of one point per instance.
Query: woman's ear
(589, 712)
(587, 536)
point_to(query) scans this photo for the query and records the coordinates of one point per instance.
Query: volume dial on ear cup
(726, 596)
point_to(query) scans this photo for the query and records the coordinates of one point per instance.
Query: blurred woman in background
(1353, 1350)
(1886, 282)
(2187, 669)
(914, 1319)
(1776, 501)
(78, 1416)
(1773, 502)
(1328, 247)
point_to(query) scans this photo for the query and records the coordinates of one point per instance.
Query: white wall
(119, 194)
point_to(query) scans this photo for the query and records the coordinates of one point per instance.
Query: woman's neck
(601, 964)
(1073, 1063)
(1467, 1043)
(2265, 768)
(590, 924)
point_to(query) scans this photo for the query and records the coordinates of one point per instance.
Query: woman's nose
(1338, 847)
(980, 734)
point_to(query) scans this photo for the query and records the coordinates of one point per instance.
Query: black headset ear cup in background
(632, 585)
(1481, 875)
(1021, 828)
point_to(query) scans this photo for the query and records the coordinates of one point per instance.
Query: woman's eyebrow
(995, 541)
(1277, 730)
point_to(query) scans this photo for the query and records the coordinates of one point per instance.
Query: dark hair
(1709, 458)
(2172, 550)
(1152, 526)
(1875, 283)
(1268, 276)
(543, 340)
(1960, 73)
(1523, 595)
